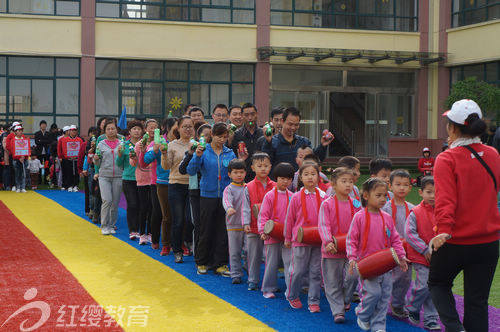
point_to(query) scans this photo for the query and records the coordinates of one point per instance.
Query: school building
(376, 72)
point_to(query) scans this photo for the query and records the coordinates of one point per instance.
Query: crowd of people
(233, 193)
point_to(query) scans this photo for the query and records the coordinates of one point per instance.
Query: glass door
(312, 108)
(376, 125)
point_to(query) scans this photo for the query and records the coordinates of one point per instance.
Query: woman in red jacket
(467, 220)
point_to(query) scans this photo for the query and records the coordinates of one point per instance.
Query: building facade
(376, 72)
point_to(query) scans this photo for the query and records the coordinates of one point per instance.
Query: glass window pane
(209, 72)
(106, 97)
(31, 6)
(3, 95)
(375, 23)
(42, 92)
(31, 66)
(141, 69)
(67, 96)
(242, 73)
(176, 13)
(106, 68)
(216, 15)
(475, 70)
(199, 96)
(107, 10)
(494, 12)
(456, 74)
(219, 94)
(306, 20)
(243, 16)
(303, 4)
(3, 62)
(3, 6)
(67, 121)
(281, 4)
(381, 79)
(475, 16)
(19, 96)
(152, 96)
(244, 4)
(289, 77)
(492, 72)
(280, 18)
(242, 93)
(68, 8)
(176, 71)
(406, 7)
(31, 122)
(131, 97)
(67, 67)
(175, 97)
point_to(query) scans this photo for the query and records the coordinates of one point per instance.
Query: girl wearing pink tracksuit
(335, 217)
(373, 230)
(274, 207)
(303, 212)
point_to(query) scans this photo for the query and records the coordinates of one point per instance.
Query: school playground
(59, 274)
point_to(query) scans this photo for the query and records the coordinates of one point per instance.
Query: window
(36, 88)
(41, 7)
(154, 88)
(488, 72)
(465, 12)
(395, 15)
(216, 11)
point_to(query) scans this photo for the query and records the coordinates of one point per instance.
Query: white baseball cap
(14, 124)
(17, 127)
(426, 149)
(460, 111)
(65, 128)
(72, 127)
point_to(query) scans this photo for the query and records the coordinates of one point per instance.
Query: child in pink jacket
(373, 230)
(335, 217)
(303, 212)
(274, 207)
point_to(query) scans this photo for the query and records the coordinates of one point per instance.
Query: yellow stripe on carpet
(115, 273)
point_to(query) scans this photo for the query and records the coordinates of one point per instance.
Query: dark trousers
(87, 193)
(179, 203)
(478, 263)
(212, 243)
(34, 180)
(166, 215)
(20, 173)
(194, 201)
(70, 177)
(156, 217)
(145, 208)
(7, 176)
(132, 197)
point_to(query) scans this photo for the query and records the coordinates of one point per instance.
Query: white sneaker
(63, 189)
(112, 230)
(23, 190)
(51, 186)
(70, 190)
(18, 190)
(105, 231)
(13, 188)
(362, 325)
(75, 189)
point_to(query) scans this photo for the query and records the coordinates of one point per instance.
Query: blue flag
(122, 123)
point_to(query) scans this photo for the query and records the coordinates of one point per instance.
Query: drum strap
(337, 213)
(304, 206)
(367, 230)
(395, 209)
(275, 203)
(484, 164)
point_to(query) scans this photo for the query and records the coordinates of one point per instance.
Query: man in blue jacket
(283, 147)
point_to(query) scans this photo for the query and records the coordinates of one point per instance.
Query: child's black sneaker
(236, 281)
(433, 326)
(399, 312)
(414, 317)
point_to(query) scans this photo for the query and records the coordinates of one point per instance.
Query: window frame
(54, 13)
(474, 7)
(51, 116)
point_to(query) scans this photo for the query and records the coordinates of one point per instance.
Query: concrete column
(87, 67)
(262, 68)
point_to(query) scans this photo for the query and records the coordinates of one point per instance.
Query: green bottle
(131, 150)
(268, 129)
(203, 142)
(170, 115)
(164, 143)
(98, 153)
(195, 144)
(232, 128)
(145, 139)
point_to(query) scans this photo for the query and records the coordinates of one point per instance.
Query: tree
(485, 95)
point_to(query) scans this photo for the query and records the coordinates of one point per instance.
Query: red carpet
(36, 291)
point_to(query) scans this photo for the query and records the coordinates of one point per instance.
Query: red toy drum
(340, 243)
(274, 229)
(309, 235)
(378, 263)
(256, 210)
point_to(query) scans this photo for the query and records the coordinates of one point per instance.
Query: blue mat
(274, 312)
